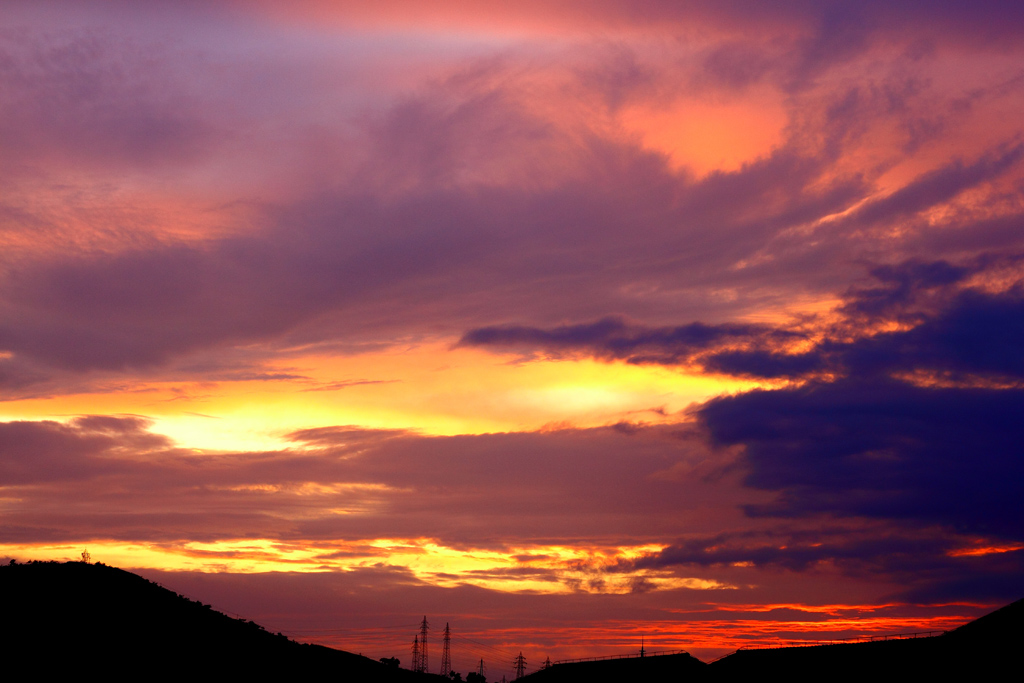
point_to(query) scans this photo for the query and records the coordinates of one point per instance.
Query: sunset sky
(563, 322)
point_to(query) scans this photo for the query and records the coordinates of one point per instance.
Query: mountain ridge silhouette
(72, 616)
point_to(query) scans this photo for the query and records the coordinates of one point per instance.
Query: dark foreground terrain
(90, 618)
(989, 648)
(94, 619)
(674, 667)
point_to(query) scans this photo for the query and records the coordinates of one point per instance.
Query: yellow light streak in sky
(431, 388)
(554, 569)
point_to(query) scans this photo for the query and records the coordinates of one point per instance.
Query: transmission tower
(424, 627)
(480, 669)
(416, 653)
(546, 664)
(520, 665)
(446, 652)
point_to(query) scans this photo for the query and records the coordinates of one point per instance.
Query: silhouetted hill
(1002, 628)
(77, 617)
(677, 667)
(987, 648)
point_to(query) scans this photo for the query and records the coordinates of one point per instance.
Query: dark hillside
(1002, 628)
(884, 660)
(983, 649)
(676, 667)
(77, 617)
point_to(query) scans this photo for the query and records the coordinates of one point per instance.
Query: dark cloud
(923, 562)
(883, 449)
(995, 578)
(616, 339)
(855, 549)
(870, 444)
(918, 428)
(765, 364)
(956, 331)
(978, 334)
(897, 287)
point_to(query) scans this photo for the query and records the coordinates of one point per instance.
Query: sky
(566, 323)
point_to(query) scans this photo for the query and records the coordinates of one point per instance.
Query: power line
(501, 651)
(357, 629)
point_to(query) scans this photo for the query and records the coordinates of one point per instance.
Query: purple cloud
(110, 477)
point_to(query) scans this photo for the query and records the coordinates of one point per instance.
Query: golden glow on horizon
(431, 388)
(703, 638)
(536, 569)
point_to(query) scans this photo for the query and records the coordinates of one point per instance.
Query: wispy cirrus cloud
(450, 192)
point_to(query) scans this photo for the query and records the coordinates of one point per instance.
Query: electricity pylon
(520, 665)
(423, 645)
(416, 653)
(446, 652)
